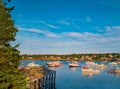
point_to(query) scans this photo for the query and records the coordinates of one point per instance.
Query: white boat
(74, 64)
(113, 63)
(89, 69)
(33, 64)
(54, 64)
(100, 66)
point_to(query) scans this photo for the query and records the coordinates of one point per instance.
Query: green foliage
(8, 54)
(7, 29)
(10, 77)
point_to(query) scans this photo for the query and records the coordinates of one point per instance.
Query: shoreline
(79, 57)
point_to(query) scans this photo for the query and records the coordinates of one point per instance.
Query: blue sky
(67, 26)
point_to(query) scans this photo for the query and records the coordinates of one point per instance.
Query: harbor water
(74, 78)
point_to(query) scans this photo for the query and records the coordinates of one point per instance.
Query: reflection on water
(74, 78)
(89, 74)
(115, 71)
(117, 74)
(53, 68)
(73, 68)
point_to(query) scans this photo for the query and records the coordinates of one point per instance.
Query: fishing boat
(117, 70)
(100, 66)
(113, 63)
(89, 69)
(33, 64)
(54, 64)
(74, 64)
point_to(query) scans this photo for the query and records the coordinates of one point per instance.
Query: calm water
(72, 78)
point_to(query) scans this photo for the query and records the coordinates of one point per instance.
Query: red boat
(111, 71)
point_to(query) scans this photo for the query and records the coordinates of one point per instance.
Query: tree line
(100, 56)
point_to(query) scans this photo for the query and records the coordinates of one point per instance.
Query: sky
(67, 26)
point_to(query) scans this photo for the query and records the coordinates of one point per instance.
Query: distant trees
(101, 57)
(10, 78)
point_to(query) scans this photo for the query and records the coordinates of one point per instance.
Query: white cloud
(32, 30)
(116, 27)
(46, 33)
(80, 35)
(112, 31)
(112, 28)
(73, 34)
(109, 39)
(49, 25)
(38, 21)
(99, 30)
(49, 34)
(69, 42)
(69, 22)
(109, 35)
(36, 30)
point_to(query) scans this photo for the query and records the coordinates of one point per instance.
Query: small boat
(111, 71)
(89, 69)
(117, 70)
(100, 66)
(33, 64)
(74, 64)
(113, 63)
(54, 64)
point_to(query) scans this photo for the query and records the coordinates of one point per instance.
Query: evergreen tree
(8, 54)
(10, 77)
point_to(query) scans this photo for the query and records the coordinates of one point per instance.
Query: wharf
(39, 77)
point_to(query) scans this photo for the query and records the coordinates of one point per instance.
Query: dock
(39, 77)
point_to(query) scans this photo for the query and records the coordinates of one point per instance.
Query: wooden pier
(45, 82)
(40, 77)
